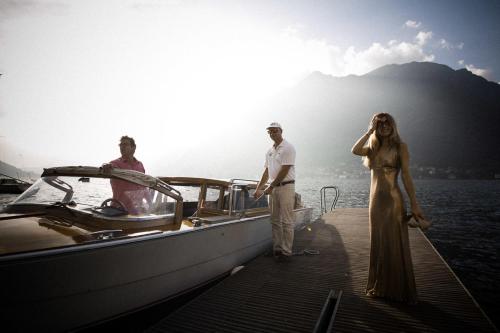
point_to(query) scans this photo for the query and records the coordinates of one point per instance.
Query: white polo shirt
(284, 154)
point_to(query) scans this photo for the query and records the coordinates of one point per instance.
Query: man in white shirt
(280, 171)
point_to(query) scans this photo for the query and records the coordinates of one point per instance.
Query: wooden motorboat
(72, 254)
(13, 185)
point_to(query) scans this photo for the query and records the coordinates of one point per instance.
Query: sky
(191, 81)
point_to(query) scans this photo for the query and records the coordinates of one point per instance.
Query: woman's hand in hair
(373, 125)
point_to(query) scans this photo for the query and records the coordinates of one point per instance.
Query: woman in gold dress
(391, 270)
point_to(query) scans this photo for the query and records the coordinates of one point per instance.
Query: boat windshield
(243, 199)
(112, 196)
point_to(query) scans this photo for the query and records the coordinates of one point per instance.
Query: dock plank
(288, 297)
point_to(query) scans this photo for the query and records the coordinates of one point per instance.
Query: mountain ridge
(448, 117)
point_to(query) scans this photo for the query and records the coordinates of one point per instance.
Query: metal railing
(322, 194)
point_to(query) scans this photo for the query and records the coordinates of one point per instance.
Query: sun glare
(166, 69)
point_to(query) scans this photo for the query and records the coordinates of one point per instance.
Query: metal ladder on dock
(322, 194)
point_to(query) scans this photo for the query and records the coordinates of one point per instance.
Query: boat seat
(225, 204)
(241, 199)
(189, 208)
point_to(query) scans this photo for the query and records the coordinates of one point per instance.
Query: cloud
(319, 55)
(484, 72)
(444, 44)
(294, 30)
(423, 37)
(12, 8)
(412, 24)
(378, 55)
(153, 4)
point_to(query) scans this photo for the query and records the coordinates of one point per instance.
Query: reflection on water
(466, 224)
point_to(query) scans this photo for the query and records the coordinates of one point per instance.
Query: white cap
(274, 125)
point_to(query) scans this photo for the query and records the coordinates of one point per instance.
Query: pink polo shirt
(133, 165)
(129, 194)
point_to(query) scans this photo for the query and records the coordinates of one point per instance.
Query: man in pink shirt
(129, 195)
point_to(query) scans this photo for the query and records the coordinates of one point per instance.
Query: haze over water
(194, 81)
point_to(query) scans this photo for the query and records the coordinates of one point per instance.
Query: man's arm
(106, 167)
(279, 178)
(262, 182)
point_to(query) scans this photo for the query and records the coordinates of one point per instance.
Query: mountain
(449, 118)
(11, 171)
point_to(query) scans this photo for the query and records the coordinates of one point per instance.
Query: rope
(310, 252)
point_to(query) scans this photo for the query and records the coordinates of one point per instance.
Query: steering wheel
(119, 205)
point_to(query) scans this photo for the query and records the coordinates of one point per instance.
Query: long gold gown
(391, 270)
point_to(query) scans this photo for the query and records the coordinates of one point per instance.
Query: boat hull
(13, 188)
(75, 286)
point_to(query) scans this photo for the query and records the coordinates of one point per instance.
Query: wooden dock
(267, 296)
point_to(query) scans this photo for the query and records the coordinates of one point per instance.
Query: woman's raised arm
(359, 147)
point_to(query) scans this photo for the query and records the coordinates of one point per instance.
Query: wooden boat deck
(288, 297)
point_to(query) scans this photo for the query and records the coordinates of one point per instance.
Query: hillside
(11, 171)
(449, 118)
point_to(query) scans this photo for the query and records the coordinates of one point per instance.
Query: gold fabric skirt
(391, 269)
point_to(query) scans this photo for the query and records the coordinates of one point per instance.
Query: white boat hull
(75, 286)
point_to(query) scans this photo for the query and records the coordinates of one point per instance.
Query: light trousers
(282, 218)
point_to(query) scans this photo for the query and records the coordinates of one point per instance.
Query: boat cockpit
(210, 200)
(91, 199)
(74, 205)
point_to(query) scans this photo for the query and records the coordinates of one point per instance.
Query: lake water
(465, 230)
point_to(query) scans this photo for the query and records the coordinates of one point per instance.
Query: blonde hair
(374, 141)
